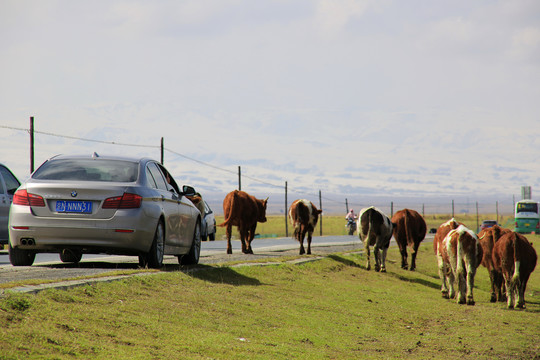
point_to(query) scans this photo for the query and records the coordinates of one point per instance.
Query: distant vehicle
(527, 217)
(75, 205)
(208, 224)
(486, 224)
(8, 185)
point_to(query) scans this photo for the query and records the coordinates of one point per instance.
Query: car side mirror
(188, 190)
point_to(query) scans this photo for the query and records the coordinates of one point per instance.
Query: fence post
(31, 144)
(452, 208)
(477, 219)
(346, 206)
(320, 207)
(239, 178)
(162, 152)
(497, 207)
(391, 209)
(286, 222)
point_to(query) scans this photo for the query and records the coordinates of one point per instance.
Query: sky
(365, 100)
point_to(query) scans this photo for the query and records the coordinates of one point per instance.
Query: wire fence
(329, 204)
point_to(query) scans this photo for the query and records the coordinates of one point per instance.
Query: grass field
(335, 225)
(325, 309)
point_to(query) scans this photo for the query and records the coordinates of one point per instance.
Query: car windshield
(88, 170)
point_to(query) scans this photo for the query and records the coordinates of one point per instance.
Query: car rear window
(88, 170)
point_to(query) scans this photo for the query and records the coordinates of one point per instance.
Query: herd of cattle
(508, 256)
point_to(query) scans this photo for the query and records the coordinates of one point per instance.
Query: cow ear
(319, 211)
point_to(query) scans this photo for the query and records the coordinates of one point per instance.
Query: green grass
(327, 309)
(335, 225)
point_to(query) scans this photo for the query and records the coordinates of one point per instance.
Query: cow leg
(251, 235)
(443, 270)
(309, 243)
(495, 288)
(377, 255)
(243, 240)
(301, 241)
(521, 295)
(383, 266)
(509, 291)
(471, 272)
(228, 233)
(403, 252)
(413, 256)
(366, 249)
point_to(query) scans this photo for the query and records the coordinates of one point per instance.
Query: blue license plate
(83, 207)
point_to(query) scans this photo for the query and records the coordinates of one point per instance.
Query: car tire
(212, 236)
(20, 257)
(154, 258)
(70, 256)
(192, 257)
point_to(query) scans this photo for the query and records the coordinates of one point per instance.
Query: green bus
(527, 217)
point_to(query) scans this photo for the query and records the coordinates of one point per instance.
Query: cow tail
(226, 221)
(407, 230)
(517, 262)
(369, 225)
(459, 253)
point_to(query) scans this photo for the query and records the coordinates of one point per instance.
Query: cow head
(261, 204)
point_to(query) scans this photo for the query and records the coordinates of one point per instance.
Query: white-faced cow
(243, 210)
(515, 257)
(303, 216)
(488, 237)
(409, 230)
(441, 233)
(462, 253)
(375, 228)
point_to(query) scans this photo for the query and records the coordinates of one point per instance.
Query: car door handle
(162, 198)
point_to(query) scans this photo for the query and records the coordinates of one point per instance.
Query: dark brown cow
(515, 257)
(488, 237)
(303, 215)
(375, 228)
(462, 253)
(441, 233)
(409, 230)
(243, 210)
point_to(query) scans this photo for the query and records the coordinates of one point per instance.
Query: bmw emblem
(73, 193)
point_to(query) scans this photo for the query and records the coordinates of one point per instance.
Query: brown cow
(462, 253)
(441, 233)
(303, 215)
(515, 257)
(409, 230)
(243, 210)
(488, 237)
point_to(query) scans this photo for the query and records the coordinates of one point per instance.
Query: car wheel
(20, 257)
(70, 256)
(154, 258)
(212, 236)
(192, 257)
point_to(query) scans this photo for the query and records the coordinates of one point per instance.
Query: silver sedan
(76, 205)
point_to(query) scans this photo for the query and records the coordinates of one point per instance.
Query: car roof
(102, 157)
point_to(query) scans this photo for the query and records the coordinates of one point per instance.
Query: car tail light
(22, 197)
(538, 225)
(126, 201)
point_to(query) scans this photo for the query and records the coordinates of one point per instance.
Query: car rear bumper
(127, 232)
